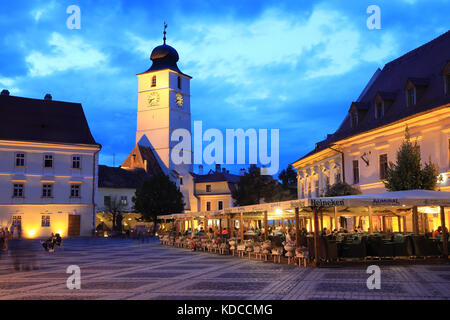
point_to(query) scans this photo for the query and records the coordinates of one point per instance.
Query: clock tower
(163, 106)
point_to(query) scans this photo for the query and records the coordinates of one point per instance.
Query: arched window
(154, 81)
(179, 82)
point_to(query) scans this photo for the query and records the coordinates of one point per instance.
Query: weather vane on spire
(165, 27)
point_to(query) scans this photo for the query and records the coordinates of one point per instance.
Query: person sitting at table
(437, 232)
(225, 233)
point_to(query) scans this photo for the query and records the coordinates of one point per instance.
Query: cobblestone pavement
(129, 269)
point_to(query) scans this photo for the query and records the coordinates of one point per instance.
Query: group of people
(51, 242)
(14, 232)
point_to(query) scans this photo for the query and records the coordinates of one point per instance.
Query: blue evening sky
(291, 65)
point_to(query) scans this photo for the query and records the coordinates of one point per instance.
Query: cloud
(65, 54)
(43, 10)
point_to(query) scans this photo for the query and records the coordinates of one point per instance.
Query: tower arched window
(154, 81)
(179, 82)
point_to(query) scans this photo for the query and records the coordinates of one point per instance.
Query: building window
(208, 188)
(76, 162)
(303, 190)
(47, 190)
(355, 171)
(179, 82)
(327, 183)
(337, 177)
(354, 116)
(75, 191)
(123, 200)
(45, 221)
(411, 95)
(154, 81)
(107, 201)
(16, 221)
(20, 159)
(18, 190)
(220, 205)
(383, 166)
(48, 161)
(379, 110)
(208, 206)
(181, 181)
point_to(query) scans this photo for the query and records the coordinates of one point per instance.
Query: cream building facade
(48, 168)
(411, 92)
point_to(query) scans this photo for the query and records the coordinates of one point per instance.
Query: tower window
(179, 82)
(383, 166)
(154, 81)
(355, 171)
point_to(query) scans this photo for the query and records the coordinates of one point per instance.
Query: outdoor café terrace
(392, 225)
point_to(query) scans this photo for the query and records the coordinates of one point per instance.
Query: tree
(115, 207)
(158, 195)
(341, 189)
(253, 187)
(407, 173)
(288, 179)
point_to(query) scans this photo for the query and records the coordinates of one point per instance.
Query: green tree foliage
(254, 187)
(115, 208)
(407, 173)
(158, 196)
(341, 189)
(288, 178)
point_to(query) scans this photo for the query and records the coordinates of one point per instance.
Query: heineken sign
(326, 203)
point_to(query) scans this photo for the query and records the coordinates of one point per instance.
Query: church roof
(27, 119)
(142, 157)
(422, 67)
(116, 177)
(165, 57)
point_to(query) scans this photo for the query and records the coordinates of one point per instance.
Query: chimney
(217, 167)
(200, 169)
(48, 97)
(242, 171)
(5, 92)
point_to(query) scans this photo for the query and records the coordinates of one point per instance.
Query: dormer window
(379, 110)
(447, 84)
(354, 118)
(154, 81)
(446, 75)
(415, 89)
(411, 95)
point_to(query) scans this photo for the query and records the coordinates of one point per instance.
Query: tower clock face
(179, 99)
(153, 99)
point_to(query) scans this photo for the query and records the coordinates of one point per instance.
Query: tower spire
(165, 27)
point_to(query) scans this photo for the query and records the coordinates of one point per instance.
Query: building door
(74, 225)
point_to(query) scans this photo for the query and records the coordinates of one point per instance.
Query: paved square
(129, 269)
